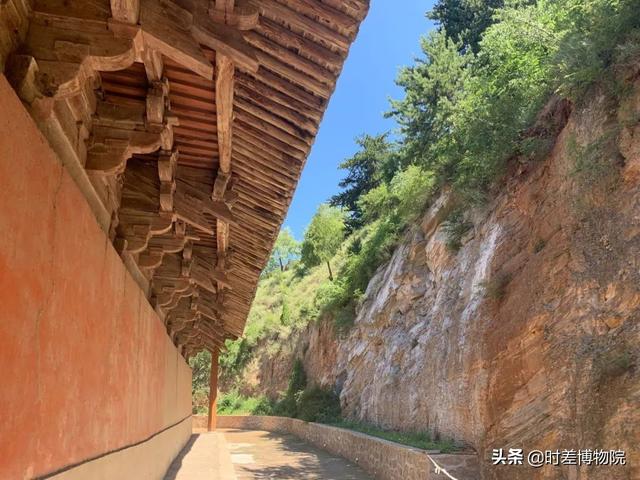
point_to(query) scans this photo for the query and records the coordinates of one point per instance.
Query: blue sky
(388, 40)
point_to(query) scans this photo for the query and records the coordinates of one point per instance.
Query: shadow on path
(175, 466)
(269, 455)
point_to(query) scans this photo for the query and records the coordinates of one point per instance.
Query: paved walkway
(205, 456)
(247, 455)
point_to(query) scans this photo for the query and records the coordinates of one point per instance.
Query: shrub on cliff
(320, 405)
(287, 406)
(309, 403)
(455, 227)
(298, 379)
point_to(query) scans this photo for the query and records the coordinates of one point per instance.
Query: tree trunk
(330, 272)
(281, 265)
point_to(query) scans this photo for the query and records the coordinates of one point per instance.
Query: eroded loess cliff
(526, 337)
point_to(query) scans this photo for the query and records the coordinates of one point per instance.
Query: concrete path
(204, 457)
(249, 455)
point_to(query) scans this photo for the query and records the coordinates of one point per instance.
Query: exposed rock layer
(528, 336)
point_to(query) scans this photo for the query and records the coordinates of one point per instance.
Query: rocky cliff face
(528, 336)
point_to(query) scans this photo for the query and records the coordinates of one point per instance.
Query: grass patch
(423, 440)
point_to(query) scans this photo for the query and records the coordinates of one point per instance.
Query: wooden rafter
(223, 10)
(168, 91)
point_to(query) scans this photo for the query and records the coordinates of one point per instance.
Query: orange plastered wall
(86, 366)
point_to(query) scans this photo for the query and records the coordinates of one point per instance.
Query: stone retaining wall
(383, 459)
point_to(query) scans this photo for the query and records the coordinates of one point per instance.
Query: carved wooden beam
(223, 267)
(224, 114)
(69, 52)
(177, 32)
(120, 131)
(166, 28)
(187, 260)
(202, 274)
(170, 29)
(140, 214)
(182, 317)
(168, 292)
(136, 228)
(211, 307)
(223, 189)
(226, 41)
(212, 332)
(170, 286)
(224, 109)
(154, 200)
(242, 15)
(210, 335)
(167, 166)
(207, 339)
(191, 203)
(158, 246)
(153, 64)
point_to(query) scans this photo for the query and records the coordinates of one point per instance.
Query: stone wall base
(383, 459)
(147, 460)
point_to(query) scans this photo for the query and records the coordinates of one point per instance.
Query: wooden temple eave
(186, 124)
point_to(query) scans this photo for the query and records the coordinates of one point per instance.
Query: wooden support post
(213, 391)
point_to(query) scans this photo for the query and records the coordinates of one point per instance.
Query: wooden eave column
(213, 391)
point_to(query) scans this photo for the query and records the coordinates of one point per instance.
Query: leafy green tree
(285, 251)
(596, 35)
(465, 21)
(375, 162)
(323, 237)
(509, 84)
(432, 87)
(201, 366)
(403, 198)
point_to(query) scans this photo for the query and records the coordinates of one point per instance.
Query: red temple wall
(87, 367)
